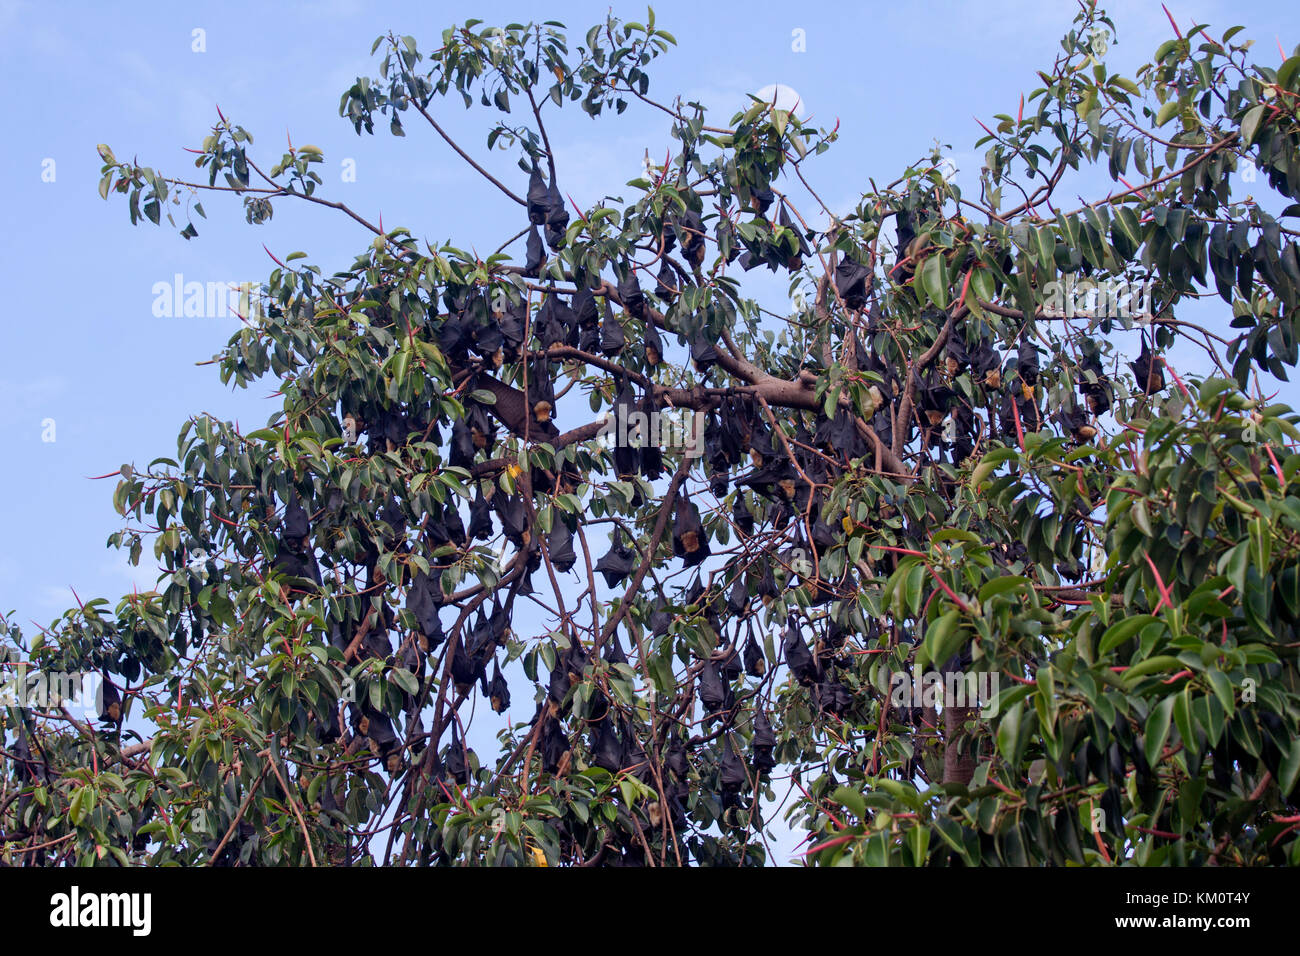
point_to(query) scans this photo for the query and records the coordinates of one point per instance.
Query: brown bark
(958, 753)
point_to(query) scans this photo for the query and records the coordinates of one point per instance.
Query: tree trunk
(958, 754)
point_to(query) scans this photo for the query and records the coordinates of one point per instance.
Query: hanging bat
(617, 563)
(630, 294)
(498, 690)
(851, 280)
(1148, 370)
(534, 255)
(762, 744)
(612, 338)
(690, 540)
(559, 545)
(799, 656)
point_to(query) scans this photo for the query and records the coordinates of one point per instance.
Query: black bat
(652, 457)
(755, 660)
(667, 283)
(1149, 371)
(738, 598)
(584, 307)
(480, 519)
(514, 519)
(607, 747)
(987, 365)
(614, 651)
(763, 743)
(715, 694)
(589, 338)
(612, 338)
(458, 758)
(660, 619)
(423, 599)
(741, 514)
(1075, 421)
(557, 219)
(462, 445)
(498, 690)
(956, 357)
(535, 255)
(548, 324)
(110, 701)
(793, 260)
(481, 430)
(296, 525)
(538, 198)
(541, 390)
(690, 540)
(1027, 363)
(511, 324)
(733, 775)
(559, 545)
(690, 229)
(1095, 386)
(630, 294)
(903, 270)
(617, 563)
(799, 656)
(731, 666)
(833, 697)
(851, 279)
(653, 344)
(704, 353)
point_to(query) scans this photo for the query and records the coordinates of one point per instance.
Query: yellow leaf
(538, 856)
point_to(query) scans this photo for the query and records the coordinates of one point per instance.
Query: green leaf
(80, 805)
(1250, 125)
(918, 842)
(1222, 689)
(1009, 734)
(852, 800)
(1286, 73)
(934, 280)
(1002, 586)
(1046, 240)
(1140, 517)
(1289, 772)
(1157, 729)
(1152, 665)
(1121, 631)
(944, 637)
(1126, 231)
(1183, 718)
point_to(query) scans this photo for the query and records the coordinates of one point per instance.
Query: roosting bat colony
(918, 468)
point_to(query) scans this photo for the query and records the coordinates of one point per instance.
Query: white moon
(785, 97)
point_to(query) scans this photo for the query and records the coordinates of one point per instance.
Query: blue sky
(83, 345)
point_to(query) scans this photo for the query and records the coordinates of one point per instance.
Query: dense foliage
(931, 466)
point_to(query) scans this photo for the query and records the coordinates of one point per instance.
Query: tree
(928, 553)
